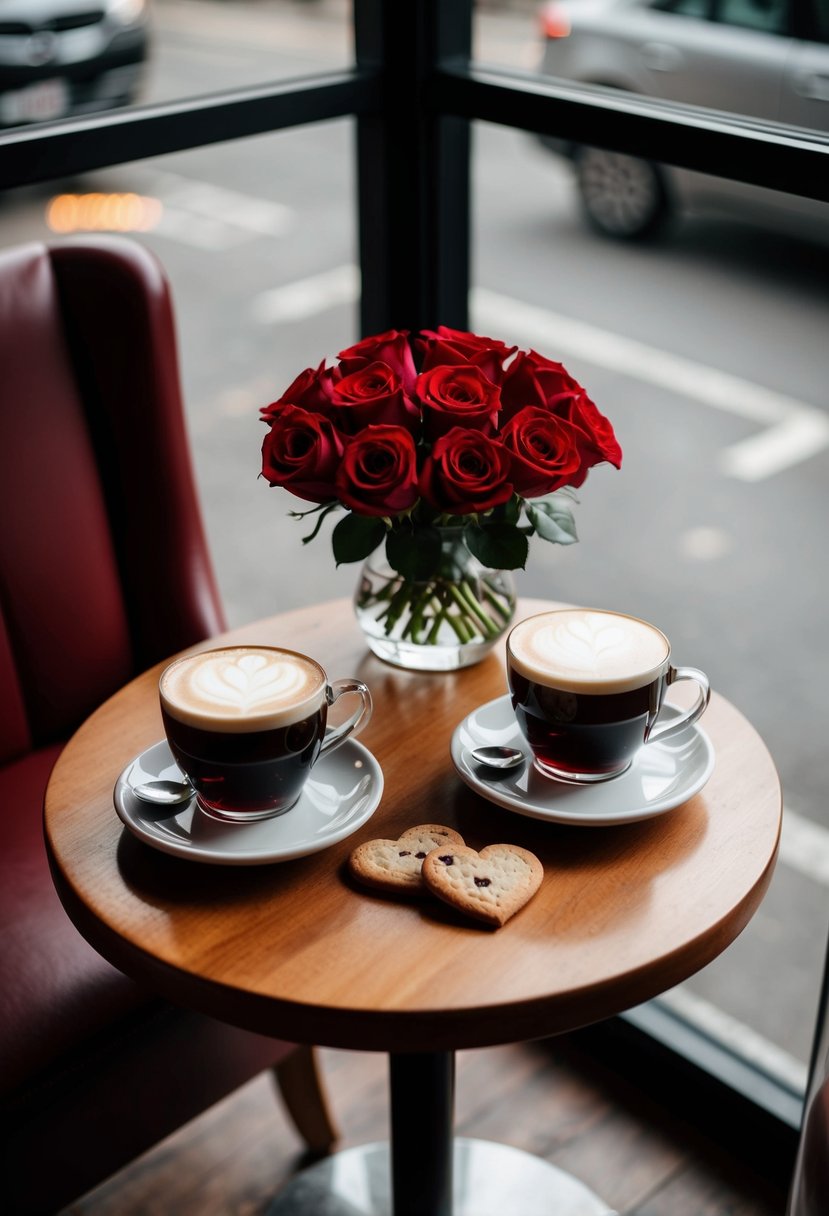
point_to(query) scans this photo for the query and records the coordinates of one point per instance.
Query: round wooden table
(298, 951)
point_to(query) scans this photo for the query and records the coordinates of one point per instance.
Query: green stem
(417, 607)
(440, 617)
(396, 608)
(465, 598)
(502, 604)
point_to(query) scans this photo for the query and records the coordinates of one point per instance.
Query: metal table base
(489, 1180)
(426, 1171)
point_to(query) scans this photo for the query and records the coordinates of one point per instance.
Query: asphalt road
(707, 352)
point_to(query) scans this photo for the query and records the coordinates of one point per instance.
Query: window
(224, 193)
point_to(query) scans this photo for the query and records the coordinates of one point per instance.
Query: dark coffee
(247, 775)
(247, 724)
(586, 688)
(582, 735)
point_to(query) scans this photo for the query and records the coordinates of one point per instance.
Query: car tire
(621, 196)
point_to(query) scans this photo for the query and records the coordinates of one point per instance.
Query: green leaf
(498, 546)
(415, 554)
(552, 520)
(355, 537)
(508, 512)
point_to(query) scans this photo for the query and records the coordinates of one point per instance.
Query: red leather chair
(104, 571)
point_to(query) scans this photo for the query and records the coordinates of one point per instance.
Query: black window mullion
(764, 154)
(413, 169)
(45, 151)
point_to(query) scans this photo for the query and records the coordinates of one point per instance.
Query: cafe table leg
(426, 1171)
(422, 1112)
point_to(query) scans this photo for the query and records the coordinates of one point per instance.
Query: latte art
(242, 688)
(588, 650)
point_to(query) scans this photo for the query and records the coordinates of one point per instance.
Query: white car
(764, 58)
(60, 57)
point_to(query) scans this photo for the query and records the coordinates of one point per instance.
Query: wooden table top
(298, 951)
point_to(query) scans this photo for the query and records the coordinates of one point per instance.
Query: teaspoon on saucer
(498, 757)
(164, 793)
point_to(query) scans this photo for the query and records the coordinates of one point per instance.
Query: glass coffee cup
(587, 687)
(246, 724)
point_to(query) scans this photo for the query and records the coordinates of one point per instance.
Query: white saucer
(341, 794)
(663, 775)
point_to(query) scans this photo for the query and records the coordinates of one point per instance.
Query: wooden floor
(539, 1097)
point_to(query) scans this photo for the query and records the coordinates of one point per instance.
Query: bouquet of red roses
(413, 434)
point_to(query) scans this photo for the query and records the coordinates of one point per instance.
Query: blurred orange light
(103, 213)
(554, 22)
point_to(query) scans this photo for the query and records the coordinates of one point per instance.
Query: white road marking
(307, 297)
(705, 544)
(213, 217)
(735, 1035)
(793, 431)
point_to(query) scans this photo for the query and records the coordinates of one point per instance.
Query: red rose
(391, 348)
(312, 390)
(378, 471)
(533, 380)
(545, 455)
(466, 472)
(373, 396)
(595, 438)
(459, 395)
(446, 345)
(302, 453)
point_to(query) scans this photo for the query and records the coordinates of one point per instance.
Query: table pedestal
(426, 1171)
(490, 1180)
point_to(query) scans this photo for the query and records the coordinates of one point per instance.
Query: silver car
(764, 58)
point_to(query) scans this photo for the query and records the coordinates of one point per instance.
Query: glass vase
(448, 621)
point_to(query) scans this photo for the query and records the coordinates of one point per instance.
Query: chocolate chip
(482, 882)
(420, 855)
(448, 859)
(404, 853)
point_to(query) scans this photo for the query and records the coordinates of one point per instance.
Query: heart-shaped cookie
(491, 885)
(394, 865)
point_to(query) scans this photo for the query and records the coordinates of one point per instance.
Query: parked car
(60, 57)
(764, 58)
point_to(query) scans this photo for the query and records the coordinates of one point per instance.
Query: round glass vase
(449, 621)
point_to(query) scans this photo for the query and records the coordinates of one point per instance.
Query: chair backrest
(104, 568)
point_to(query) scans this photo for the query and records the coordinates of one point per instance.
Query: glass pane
(54, 63)
(706, 350)
(257, 239)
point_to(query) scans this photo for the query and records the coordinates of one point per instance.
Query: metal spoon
(498, 757)
(166, 793)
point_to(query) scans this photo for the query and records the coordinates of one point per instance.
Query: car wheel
(622, 196)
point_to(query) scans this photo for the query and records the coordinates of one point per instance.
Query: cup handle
(358, 719)
(690, 715)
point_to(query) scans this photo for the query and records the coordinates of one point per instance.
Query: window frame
(414, 94)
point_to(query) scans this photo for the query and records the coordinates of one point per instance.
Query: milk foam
(585, 650)
(242, 688)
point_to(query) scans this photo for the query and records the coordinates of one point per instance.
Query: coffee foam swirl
(588, 650)
(242, 688)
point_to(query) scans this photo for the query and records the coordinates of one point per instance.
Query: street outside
(707, 352)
